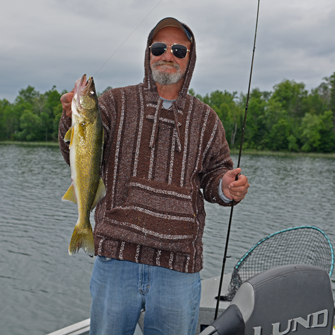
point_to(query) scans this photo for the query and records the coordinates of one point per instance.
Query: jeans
(120, 289)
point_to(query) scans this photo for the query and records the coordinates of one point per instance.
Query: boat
(266, 278)
(208, 305)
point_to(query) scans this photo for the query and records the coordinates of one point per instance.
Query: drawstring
(176, 126)
(154, 132)
(155, 125)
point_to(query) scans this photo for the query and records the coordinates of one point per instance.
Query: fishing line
(238, 165)
(126, 39)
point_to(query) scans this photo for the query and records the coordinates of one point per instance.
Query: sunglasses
(178, 50)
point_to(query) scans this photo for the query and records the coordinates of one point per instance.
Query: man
(161, 147)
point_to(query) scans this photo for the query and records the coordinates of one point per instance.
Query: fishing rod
(238, 165)
(126, 38)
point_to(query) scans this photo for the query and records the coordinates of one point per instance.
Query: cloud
(56, 41)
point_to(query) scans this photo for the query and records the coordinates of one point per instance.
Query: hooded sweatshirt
(158, 166)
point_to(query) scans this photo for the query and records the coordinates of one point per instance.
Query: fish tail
(82, 238)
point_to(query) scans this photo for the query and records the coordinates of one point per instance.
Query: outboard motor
(290, 299)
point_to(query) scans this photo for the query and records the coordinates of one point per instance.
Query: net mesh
(299, 245)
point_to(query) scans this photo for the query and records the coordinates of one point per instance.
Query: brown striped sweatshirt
(156, 161)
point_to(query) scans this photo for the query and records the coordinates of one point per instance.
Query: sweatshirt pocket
(155, 215)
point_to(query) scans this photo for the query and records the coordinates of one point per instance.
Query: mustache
(163, 62)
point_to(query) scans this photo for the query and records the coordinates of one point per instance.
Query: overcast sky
(54, 42)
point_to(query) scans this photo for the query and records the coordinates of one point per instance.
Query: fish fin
(82, 238)
(67, 137)
(72, 134)
(101, 192)
(70, 195)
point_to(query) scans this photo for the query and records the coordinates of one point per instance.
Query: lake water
(44, 289)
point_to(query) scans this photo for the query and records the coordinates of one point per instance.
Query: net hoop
(312, 246)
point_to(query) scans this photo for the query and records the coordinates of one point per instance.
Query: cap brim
(170, 22)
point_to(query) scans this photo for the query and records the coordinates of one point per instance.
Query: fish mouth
(84, 87)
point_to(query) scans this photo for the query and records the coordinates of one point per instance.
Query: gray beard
(164, 78)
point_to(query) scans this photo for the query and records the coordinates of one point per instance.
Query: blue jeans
(120, 289)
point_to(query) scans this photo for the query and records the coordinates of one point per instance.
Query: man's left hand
(234, 189)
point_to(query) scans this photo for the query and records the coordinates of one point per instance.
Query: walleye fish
(86, 144)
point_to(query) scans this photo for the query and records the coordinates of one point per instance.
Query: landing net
(299, 245)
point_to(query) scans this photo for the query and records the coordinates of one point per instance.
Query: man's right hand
(66, 100)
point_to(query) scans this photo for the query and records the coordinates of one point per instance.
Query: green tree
(275, 120)
(316, 103)
(291, 96)
(227, 109)
(4, 105)
(27, 94)
(292, 143)
(311, 125)
(53, 111)
(279, 135)
(191, 92)
(327, 133)
(24, 102)
(13, 115)
(255, 123)
(326, 91)
(30, 124)
(332, 95)
(43, 109)
(318, 133)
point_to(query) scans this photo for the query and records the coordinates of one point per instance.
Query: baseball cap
(170, 22)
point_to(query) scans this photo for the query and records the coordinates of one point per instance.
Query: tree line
(289, 118)
(33, 116)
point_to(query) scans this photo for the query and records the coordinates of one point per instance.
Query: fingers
(233, 173)
(232, 188)
(238, 189)
(242, 180)
(238, 195)
(68, 111)
(66, 100)
(67, 97)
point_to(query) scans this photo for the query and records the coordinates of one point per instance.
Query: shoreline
(283, 153)
(232, 151)
(48, 144)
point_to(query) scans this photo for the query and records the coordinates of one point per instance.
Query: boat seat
(292, 299)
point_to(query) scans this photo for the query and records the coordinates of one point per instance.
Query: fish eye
(92, 92)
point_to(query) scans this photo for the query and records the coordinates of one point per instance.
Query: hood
(148, 80)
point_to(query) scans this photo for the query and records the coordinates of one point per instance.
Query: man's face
(168, 69)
